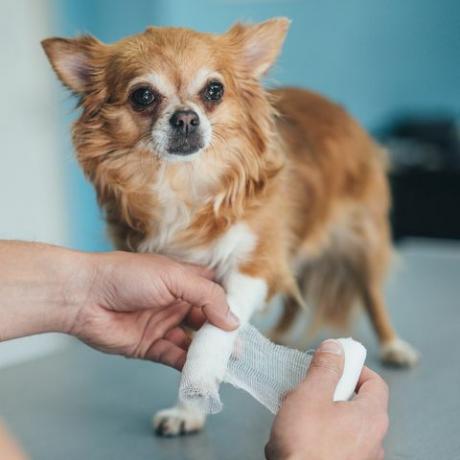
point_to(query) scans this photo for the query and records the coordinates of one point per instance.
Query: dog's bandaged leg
(205, 368)
(208, 355)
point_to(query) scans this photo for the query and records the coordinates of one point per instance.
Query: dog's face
(175, 92)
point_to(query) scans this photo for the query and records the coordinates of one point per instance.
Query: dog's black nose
(185, 121)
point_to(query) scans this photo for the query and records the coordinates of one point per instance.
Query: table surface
(79, 404)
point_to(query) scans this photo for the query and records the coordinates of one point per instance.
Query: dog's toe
(398, 352)
(177, 421)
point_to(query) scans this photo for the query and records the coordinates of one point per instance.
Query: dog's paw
(397, 352)
(177, 421)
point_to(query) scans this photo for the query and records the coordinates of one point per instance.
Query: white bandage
(264, 370)
(355, 355)
(205, 368)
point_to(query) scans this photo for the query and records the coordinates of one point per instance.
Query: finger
(158, 324)
(205, 294)
(152, 326)
(380, 454)
(165, 352)
(199, 270)
(226, 320)
(324, 372)
(179, 337)
(195, 318)
(372, 389)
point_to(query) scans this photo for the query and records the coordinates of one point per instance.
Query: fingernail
(232, 318)
(331, 346)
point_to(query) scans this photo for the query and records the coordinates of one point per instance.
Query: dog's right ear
(75, 61)
(258, 45)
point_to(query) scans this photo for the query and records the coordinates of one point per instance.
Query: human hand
(138, 304)
(118, 302)
(310, 426)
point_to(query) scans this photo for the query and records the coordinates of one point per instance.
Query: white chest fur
(174, 215)
(226, 252)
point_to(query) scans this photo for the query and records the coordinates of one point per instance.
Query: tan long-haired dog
(278, 192)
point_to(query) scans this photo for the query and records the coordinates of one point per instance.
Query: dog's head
(174, 91)
(171, 100)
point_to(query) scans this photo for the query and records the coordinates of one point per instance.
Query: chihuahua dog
(279, 192)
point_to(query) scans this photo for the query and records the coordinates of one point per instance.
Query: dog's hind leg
(293, 304)
(375, 257)
(351, 271)
(393, 350)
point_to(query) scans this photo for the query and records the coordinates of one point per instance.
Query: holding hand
(130, 304)
(138, 304)
(310, 426)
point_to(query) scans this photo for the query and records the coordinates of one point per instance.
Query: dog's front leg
(180, 419)
(208, 356)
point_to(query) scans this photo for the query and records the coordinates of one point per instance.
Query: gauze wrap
(264, 370)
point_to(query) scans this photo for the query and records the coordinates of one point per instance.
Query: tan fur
(295, 167)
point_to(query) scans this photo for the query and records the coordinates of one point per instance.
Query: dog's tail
(293, 303)
(331, 288)
(291, 308)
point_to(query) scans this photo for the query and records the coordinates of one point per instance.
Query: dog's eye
(142, 97)
(214, 91)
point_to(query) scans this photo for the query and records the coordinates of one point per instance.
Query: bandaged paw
(201, 395)
(205, 368)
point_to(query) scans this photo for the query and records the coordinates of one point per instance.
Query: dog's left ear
(259, 44)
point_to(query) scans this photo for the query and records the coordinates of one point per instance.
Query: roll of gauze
(355, 355)
(268, 372)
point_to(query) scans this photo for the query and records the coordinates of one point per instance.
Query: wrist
(73, 289)
(42, 288)
(88, 287)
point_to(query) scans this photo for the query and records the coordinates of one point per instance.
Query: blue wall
(378, 58)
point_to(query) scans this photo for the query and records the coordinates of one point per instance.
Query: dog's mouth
(185, 144)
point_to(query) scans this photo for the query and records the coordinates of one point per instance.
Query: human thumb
(325, 371)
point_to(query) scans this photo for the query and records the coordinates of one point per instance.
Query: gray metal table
(79, 404)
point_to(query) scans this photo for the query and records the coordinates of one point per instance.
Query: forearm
(41, 288)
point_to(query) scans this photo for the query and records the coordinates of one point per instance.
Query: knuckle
(173, 275)
(176, 269)
(215, 291)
